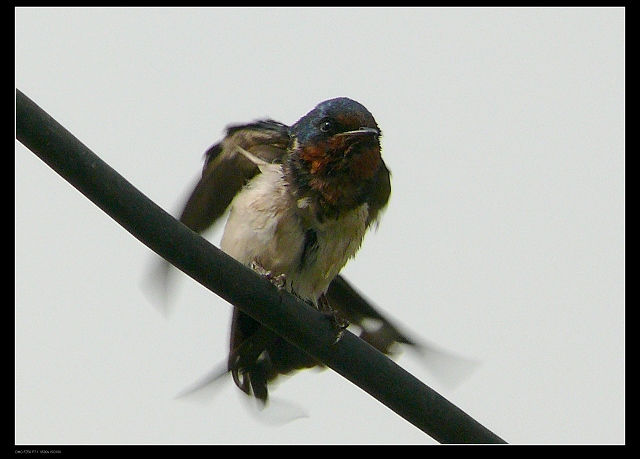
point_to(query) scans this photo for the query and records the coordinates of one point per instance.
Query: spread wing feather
(226, 170)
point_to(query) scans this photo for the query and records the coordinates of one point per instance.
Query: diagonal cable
(281, 312)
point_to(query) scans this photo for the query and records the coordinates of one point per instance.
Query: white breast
(265, 227)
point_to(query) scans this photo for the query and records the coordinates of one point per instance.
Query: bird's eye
(326, 126)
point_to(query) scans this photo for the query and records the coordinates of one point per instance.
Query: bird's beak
(363, 131)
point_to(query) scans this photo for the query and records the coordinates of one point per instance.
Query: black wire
(291, 318)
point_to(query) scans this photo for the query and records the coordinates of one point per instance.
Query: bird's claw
(279, 280)
(339, 323)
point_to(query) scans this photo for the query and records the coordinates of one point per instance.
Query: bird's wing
(380, 332)
(376, 329)
(227, 169)
(229, 165)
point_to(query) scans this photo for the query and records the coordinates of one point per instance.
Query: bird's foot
(279, 280)
(339, 323)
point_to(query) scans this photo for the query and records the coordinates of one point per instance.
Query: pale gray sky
(503, 240)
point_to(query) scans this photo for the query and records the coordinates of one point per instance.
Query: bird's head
(335, 152)
(334, 133)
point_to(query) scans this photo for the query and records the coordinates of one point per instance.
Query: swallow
(301, 199)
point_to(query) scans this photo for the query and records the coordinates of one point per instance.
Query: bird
(301, 199)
